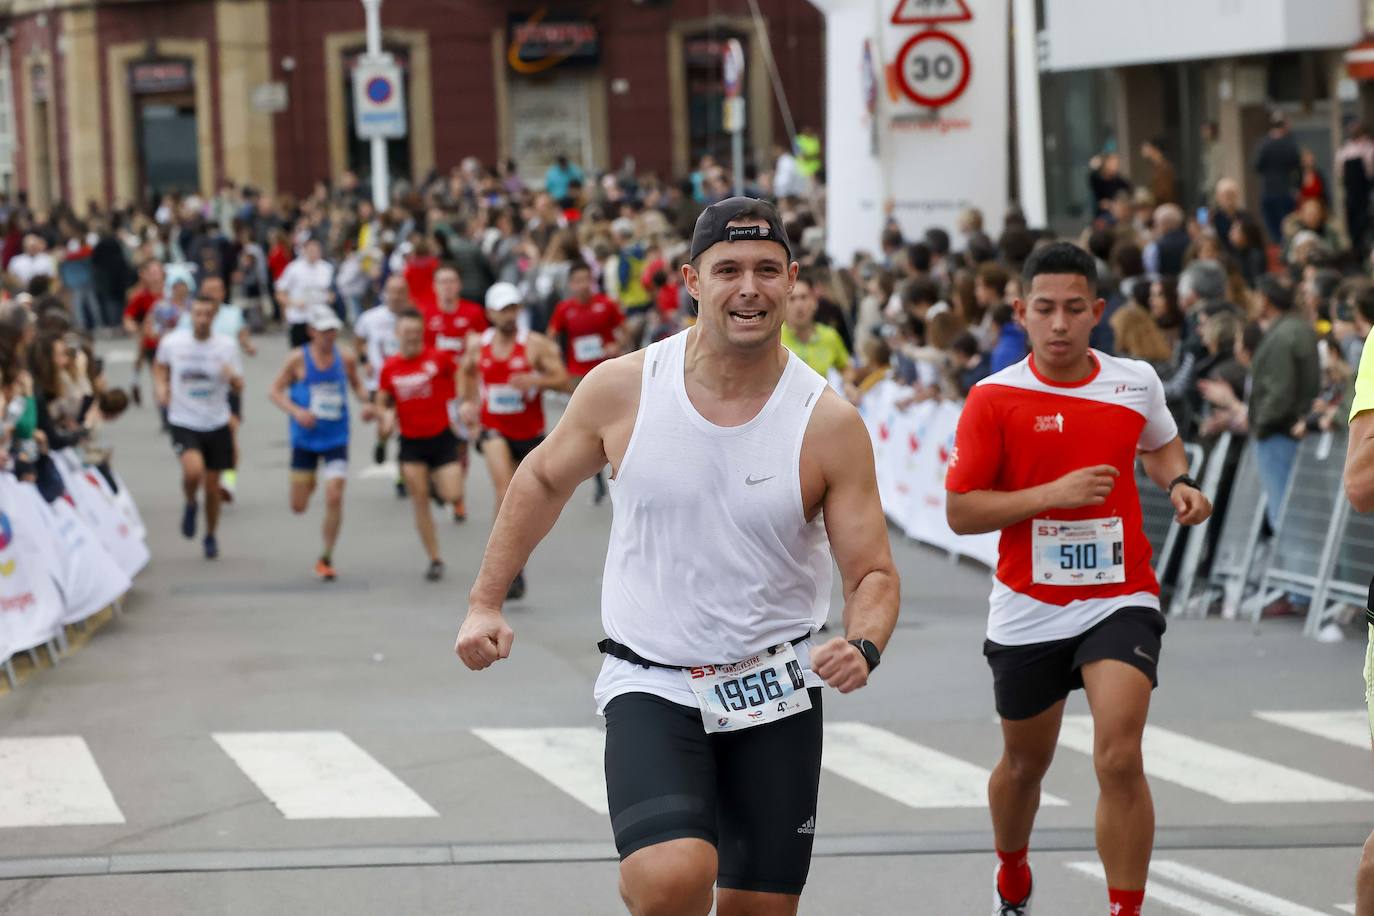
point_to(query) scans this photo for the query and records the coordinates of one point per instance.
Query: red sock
(1014, 875)
(1125, 903)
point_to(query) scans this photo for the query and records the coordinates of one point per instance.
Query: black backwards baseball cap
(712, 225)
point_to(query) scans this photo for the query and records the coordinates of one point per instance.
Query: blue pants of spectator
(1275, 455)
(86, 308)
(1275, 208)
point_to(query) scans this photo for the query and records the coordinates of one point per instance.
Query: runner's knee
(670, 879)
(1028, 767)
(1118, 763)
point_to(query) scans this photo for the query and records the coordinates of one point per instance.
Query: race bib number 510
(1087, 552)
(759, 689)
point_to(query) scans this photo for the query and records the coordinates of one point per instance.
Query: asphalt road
(245, 739)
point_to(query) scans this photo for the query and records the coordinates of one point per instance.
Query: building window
(704, 55)
(397, 148)
(165, 126)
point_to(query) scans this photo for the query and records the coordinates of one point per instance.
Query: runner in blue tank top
(312, 389)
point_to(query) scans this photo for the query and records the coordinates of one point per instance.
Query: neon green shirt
(1364, 383)
(823, 352)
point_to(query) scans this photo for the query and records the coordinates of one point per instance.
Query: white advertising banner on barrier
(95, 503)
(30, 603)
(917, 115)
(911, 448)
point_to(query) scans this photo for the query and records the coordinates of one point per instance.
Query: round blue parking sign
(378, 89)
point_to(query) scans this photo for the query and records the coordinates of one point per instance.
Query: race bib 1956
(1087, 552)
(759, 689)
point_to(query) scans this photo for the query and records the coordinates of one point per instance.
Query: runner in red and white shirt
(504, 376)
(142, 298)
(449, 321)
(589, 325)
(589, 322)
(1045, 453)
(414, 391)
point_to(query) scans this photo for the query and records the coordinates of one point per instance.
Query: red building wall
(142, 22)
(37, 34)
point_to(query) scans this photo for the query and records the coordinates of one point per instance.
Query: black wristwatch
(1186, 481)
(868, 651)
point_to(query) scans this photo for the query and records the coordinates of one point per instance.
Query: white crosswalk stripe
(387, 470)
(1228, 890)
(1345, 726)
(1217, 771)
(570, 758)
(53, 781)
(1162, 894)
(321, 775)
(904, 771)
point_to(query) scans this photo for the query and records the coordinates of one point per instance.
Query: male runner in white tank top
(735, 473)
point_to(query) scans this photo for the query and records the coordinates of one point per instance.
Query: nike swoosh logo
(751, 482)
(1147, 658)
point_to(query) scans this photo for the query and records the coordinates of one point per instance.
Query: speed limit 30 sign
(933, 68)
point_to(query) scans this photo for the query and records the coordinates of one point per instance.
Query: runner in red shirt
(588, 325)
(141, 300)
(449, 321)
(1045, 453)
(507, 371)
(419, 273)
(414, 391)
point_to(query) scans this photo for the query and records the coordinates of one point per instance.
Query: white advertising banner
(917, 116)
(912, 445)
(55, 567)
(30, 603)
(96, 504)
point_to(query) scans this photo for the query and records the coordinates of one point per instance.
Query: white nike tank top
(711, 558)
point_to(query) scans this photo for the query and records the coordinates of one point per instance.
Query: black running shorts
(216, 446)
(1027, 680)
(751, 794)
(519, 448)
(434, 452)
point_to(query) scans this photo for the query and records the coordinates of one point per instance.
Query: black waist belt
(626, 654)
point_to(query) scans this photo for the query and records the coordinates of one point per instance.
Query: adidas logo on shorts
(809, 827)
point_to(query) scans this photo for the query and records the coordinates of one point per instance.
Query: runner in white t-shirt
(375, 342)
(306, 281)
(229, 322)
(195, 372)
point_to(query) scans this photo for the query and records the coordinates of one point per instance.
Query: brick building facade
(114, 100)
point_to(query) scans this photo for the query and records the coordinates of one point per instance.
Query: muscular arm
(1164, 465)
(553, 374)
(162, 383)
(982, 511)
(355, 379)
(1359, 463)
(277, 393)
(855, 523)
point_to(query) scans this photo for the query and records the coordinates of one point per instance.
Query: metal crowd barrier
(1300, 549)
(1157, 512)
(1238, 543)
(1321, 550)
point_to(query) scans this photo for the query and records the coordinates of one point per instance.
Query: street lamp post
(381, 173)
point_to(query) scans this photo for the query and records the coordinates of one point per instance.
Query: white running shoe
(1000, 907)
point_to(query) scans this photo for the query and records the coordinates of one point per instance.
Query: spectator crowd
(1254, 321)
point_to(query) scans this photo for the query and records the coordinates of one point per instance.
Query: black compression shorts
(751, 794)
(1027, 680)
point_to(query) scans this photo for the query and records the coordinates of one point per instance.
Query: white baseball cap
(502, 295)
(322, 318)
